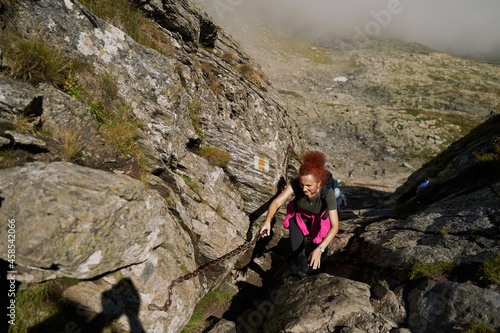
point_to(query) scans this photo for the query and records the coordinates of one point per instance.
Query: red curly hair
(313, 163)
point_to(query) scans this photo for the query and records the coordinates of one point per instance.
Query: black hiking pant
(297, 241)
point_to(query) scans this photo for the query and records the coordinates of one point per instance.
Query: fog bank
(468, 28)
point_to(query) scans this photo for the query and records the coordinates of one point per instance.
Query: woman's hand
(315, 258)
(273, 207)
(265, 228)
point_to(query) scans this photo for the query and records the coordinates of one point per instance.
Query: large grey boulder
(73, 221)
(321, 303)
(444, 306)
(127, 294)
(459, 230)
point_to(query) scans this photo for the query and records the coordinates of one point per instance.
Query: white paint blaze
(93, 260)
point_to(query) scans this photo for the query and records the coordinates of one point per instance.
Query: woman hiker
(306, 214)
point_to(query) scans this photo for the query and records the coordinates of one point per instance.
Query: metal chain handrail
(202, 269)
(206, 267)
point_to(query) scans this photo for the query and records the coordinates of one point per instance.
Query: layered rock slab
(73, 221)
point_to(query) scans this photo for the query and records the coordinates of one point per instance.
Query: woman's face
(309, 185)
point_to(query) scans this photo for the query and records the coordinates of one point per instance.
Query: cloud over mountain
(461, 27)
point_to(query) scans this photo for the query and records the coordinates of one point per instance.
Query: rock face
(77, 222)
(164, 90)
(198, 90)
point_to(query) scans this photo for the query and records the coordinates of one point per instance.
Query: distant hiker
(350, 173)
(308, 213)
(424, 184)
(383, 172)
(339, 195)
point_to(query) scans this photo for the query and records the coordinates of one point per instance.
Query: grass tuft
(23, 124)
(120, 132)
(34, 60)
(214, 298)
(192, 184)
(491, 270)
(210, 75)
(214, 156)
(492, 154)
(117, 123)
(70, 143)
(31, 306)
(429, 270)
(228, 57)
(128, 17)
(475, 327)
(194, 113)
(7, 157)
(252, 75)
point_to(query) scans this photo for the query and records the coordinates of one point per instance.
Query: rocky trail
(254, 287)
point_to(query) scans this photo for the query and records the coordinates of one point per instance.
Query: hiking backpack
(333, 183)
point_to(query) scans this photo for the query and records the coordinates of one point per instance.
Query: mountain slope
(369, 104)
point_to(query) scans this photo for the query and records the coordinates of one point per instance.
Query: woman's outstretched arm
(265, 228)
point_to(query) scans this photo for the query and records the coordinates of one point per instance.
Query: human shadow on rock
(122, 299)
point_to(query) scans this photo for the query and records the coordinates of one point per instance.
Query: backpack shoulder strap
(329, 184)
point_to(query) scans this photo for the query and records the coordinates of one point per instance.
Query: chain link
(202, 269)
